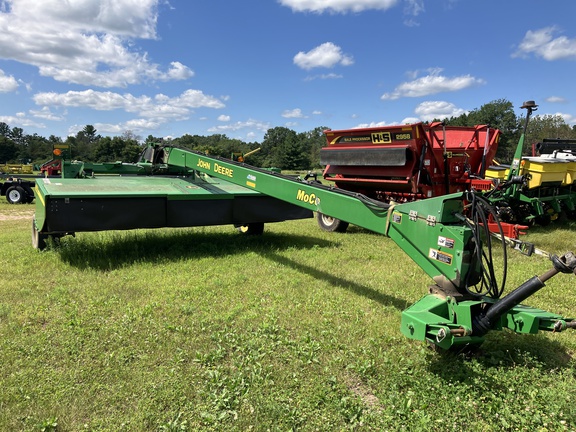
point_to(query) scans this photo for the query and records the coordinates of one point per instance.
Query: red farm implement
(404, 163)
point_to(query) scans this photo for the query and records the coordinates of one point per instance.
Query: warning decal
(440, 256)
(446, 242)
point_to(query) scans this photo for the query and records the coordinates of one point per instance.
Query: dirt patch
(361, 390)
(16, 215)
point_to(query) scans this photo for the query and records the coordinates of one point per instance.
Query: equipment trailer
(17, 190)
(444, 235)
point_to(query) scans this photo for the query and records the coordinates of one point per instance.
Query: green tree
(110, 149)
(312, 143)
(150, 139)
(277, 141)
(84, 143)
(546, 126)
(8, 150)
(4, 130)
(39, 148)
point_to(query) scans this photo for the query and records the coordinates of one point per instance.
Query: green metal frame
(448, 323)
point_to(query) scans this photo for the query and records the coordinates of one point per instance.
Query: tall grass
(206, 329)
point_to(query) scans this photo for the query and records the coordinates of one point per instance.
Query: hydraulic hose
(483, 323)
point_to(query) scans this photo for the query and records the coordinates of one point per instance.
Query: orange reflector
(57, 152)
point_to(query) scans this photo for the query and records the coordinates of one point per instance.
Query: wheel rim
(14, 195)
(327, 220)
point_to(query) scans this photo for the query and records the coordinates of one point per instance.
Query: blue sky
(239, 67)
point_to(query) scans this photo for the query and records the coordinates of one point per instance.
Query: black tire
(251, 228)
(38, 239)
(29, 197)
(330, 224)
(543, 220)
(16, 195)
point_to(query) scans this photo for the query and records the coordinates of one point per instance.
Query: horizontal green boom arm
(428, 231)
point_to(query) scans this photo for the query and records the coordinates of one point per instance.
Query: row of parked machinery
(410, 162)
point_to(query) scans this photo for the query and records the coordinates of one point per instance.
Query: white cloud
(323, 77)
(152, 111)
(432, 84)
(135, 18)
(430, 110)
(86, 42)
(233, 127)
(134, 125)
(371, 124)
(407, 120)
(7, 83)
(326, 55)
(224, 118)
(556, 99)
(295, 113)
(107, 101)
(337, 6)
(177, 72)
(46, 114)
(543, 43)
(21, 120)
(413, 8)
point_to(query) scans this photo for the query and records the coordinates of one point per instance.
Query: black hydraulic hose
(479, 208)
(483, 323)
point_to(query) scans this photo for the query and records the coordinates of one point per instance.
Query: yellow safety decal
(39, 196)
(440, 256)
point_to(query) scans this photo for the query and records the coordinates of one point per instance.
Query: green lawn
(206, 329)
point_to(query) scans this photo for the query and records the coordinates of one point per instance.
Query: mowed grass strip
(206, 329)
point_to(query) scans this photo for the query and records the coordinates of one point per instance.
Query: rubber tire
(16, 195)
(571, 214)
(330, 224)
(543, 220)
(38, 239)
(251, 228)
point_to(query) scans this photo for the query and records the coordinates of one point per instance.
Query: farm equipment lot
(202, 328)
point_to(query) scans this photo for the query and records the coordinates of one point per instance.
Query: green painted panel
(123, 186)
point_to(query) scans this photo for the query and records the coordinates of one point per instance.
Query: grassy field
(206, 329)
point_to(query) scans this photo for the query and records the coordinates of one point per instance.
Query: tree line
(281, 147)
